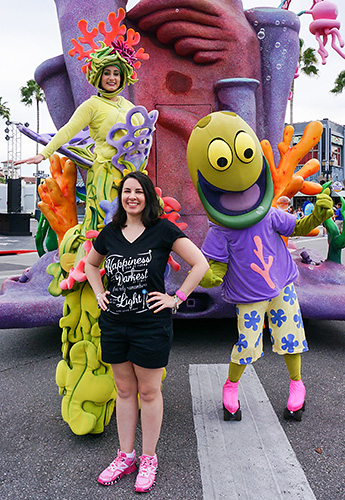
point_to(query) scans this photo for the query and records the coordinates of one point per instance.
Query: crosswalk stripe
(248, 459)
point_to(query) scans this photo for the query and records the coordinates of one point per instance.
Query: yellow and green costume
(86, 382)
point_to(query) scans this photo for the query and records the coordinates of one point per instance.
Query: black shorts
(144, 345)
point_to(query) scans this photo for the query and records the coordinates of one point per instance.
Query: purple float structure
(25, 301)
(204, 56)
(320, 288)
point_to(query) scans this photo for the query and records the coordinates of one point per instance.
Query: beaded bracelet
(98, 295)
(176, 305)
(181, 295)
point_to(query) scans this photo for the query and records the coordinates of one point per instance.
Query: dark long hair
(152, 209)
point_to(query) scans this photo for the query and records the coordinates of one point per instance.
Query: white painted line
(250, 459)
(310, 240)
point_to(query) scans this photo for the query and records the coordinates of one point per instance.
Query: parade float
(194, 69)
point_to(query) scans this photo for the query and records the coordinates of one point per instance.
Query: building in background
(9, 171)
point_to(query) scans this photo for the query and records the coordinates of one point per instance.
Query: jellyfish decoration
(325, 24)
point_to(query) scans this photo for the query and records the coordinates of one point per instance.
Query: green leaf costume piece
(82, 376)
(88, 388)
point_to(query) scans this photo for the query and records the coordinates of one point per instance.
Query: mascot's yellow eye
(219, 154)
(245, 147)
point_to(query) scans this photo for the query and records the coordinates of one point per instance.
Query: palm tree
(339, 83)
(4, 110)
(307, 62)
(30, 93)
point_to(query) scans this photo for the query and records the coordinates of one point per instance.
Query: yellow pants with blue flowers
(284, 322)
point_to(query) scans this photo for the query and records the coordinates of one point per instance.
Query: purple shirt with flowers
(259, 264)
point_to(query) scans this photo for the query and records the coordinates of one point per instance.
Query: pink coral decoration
(77, 274)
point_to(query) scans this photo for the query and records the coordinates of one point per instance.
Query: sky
(28, 39)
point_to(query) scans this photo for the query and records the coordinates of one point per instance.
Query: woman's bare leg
(151, 404)
(126, 404)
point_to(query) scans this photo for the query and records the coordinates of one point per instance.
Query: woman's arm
(33, 159)
(79, 120)
(191, 254)
(92, 263)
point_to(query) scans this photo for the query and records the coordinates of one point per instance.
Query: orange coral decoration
(58, 195)
(285, 181)
(122, 46)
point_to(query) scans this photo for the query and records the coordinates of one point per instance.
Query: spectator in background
(338, 218)
(299, 213)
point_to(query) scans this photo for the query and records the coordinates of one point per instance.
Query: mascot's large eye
(219, 154)
(245, 147)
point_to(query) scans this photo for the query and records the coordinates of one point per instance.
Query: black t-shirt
(135, 269)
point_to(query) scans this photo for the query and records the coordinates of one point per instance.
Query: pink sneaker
(147, 474)
(231, 404)
(120, 466)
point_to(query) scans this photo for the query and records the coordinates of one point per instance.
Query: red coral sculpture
(171, 209)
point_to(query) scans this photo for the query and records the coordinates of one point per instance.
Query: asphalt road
(41, 459)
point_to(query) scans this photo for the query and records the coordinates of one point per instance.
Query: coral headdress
(114, 50)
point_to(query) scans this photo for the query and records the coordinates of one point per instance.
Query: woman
(109, 70)
(135, 321)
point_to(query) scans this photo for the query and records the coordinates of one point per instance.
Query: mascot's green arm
(322, 211)
(214, 276)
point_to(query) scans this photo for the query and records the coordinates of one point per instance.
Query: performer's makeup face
(111, 78)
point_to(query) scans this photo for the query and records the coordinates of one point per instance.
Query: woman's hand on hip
(102, 300)
(159, 301)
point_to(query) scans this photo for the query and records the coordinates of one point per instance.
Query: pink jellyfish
(325, 24)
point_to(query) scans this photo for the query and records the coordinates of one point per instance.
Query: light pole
(14, 147)
(327, 166)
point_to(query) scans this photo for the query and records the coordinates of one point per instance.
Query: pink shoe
(231, 404)
(147, 474)
(120, 466)
(295, 404)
